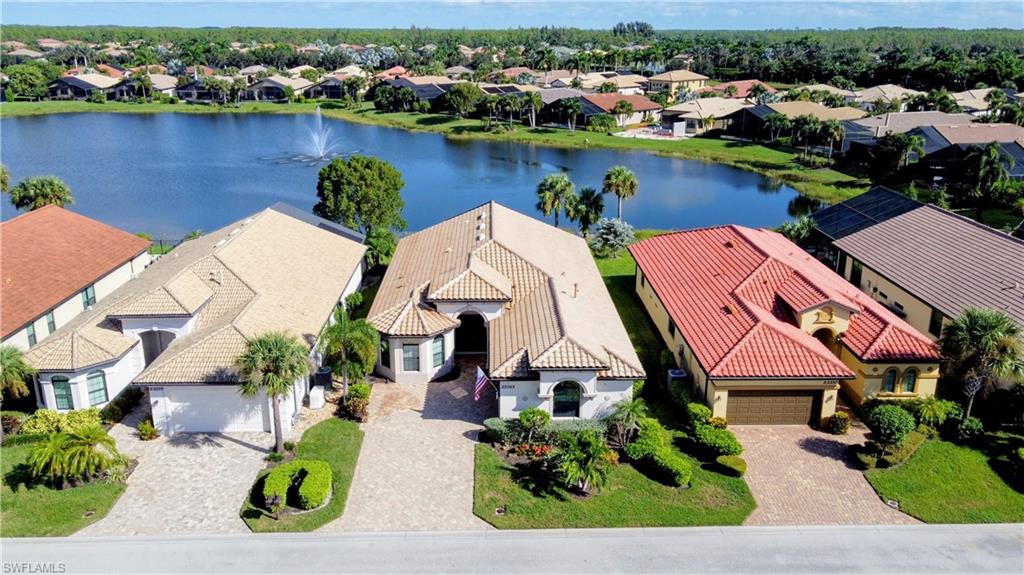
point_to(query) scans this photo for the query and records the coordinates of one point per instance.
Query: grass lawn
(948, 483)
(34, 511)
(335, 441)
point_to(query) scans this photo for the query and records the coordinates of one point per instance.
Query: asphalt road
(973, 549)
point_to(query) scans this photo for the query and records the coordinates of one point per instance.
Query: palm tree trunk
(344, 373)
(278, 436)
(618, 200)
(970, 404)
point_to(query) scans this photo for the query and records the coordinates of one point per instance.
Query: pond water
(168, 174)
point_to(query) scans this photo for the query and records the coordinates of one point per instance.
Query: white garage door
(214, 408)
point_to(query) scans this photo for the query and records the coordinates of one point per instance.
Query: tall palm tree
(623, 110)
(34, 193)
(271, 364)
(915, 145)
(511, 105)
(349, 346)
(832, 131)
(622, 182)
(776, 123)
(572, 107)
(15, 372)
(586, 209)
(194, 54)
(554, 194)
(534, 102)
(988, 170)
(982, 346)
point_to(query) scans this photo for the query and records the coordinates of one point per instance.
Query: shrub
(638, 387)
(533, 421)
(890, 424)
(289, 446)
(147, 431)
(865, 460)
(75, 420)
(111, 413)
(561, 428)
(50, 421)
(316, 485)
(11, 421)
(717, 441)
(671, 466)
(359, 391)
(929, 432)
(650, 436)
(312, 477)
(838, 424)
(601, 123)
(650, 448)
(930, 411)
(732, 465)
(969, 429)
(718, 422)
(97, 97)
(679, 392)
(495, 430)
(274, 457)
(904, 451)
(697, 414)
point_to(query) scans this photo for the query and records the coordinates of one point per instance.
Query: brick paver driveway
(187, 484)
(800, 476)
(415, 469)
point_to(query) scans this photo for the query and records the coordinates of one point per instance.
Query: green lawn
(335, 441)
(948, 483)
(36, 510)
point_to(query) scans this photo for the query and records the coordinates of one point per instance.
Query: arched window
(889, 381)
(566, 399)
(910, 380)
(97, 383)
(62, 392)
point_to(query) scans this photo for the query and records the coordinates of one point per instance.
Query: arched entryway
(825, 336)
(471, 335)
(154, 342)
(566, 398)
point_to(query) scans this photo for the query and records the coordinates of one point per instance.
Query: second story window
(89, 296)
(30, 331)
(51, 323)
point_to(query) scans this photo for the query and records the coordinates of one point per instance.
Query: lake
(168, 174)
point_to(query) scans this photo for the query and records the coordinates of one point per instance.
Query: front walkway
(800, 476)
(415, 470)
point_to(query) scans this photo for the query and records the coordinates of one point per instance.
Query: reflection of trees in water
(768, 186)
(802, 205)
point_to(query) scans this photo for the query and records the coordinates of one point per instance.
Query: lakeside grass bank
(777, 163)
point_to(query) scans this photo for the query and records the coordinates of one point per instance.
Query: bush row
(708, 432)
(511, 431)
(651, 449)
(121, 405)
(44, 421)
(313, 478)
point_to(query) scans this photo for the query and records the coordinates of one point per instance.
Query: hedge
(313, 489)
(717, 441)
(732, 465)
(651, 448)
(46, 421)
(697, 414)
(914, 440)
(496, 430)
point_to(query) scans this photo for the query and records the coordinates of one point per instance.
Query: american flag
(481, 381)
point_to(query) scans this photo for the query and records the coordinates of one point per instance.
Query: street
(971, 549)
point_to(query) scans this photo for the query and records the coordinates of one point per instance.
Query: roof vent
(728, 243)
(220, 243)
(481, 238)
(235, 231)
(481, 226)
(729, 309)
(247, 221)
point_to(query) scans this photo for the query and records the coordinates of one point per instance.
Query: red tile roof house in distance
(54, 261)
(770, 334)
(644, 109)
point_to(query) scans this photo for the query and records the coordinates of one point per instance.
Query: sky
(599, 14)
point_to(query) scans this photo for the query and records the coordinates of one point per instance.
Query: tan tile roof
(981, 133)
(707, 107)
(557, 315)
(678, 76)
(886, 92)
(799, 108)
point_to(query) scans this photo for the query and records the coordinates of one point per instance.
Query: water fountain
(318, 149)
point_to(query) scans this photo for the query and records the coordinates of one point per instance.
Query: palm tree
(237, 88)
(622, 182)
(554, 194)
(775, 123)
(708, 122)
(988, 170)
(14, 372)
(48, 459)
(349, 346)
(511, 104)
(915, 145)
(831, 130)
(533, 101)
(584, 460)
(731, 90)
(34, 193)
(193, 54)
(490, 105)
(756, 91)
(572, 108)
(623, 421)
(805, 127)
(982, 346)
(144, 83)
(90, 450)
(5, 179)
(271, 364)
(623, 110)
(586, 209)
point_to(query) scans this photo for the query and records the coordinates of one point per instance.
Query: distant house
(518, 74)
(391, 73)
(275, 88)
(546, 77)
(676, 81)
(522, 296)
(962, 136)
(644, 109)
(160, 84)
(869, 98)
(148, 69)
(626, 84)
(332, 88)
(252, 73)
(742, 88)
(178, 327)
(57, 264)
(749, 122)
(426, 88)
(203, 71)
(82, 86)
(769, 335)
(458, 73)
(23, 55)
(975, 102)
(48, 44)
(849, 96)
(700, 115)
(297, 71)
(201, 91)
(924, 263)
(866, 131)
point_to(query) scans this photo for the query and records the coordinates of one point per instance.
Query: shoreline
(777, 164)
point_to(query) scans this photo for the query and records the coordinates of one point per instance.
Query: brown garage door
(772, 407)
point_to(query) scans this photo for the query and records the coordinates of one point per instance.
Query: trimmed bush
(111, 413)
(316, 485)
(669, 465)
(904, 451)
(651, 449)
(312, 477)
(717, 441)
(359, 391)
(697, 414)
(838, 424)
(865, 461)
(890, 424)
(718, 422)
(559, 428)
(495, 430)
(969, 429)
(733, 465)
(49, 421)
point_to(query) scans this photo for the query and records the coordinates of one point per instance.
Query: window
(51, 323)
(643, 280)
(566, 399)
(89, 296)
(62, 392)
(154, 342)
(385, 352)
(889, 381)
(97, 384)
(935, 323)
(856, 271)
(30, 331)
(411, 357)
(438, 351)
(671, 329)
(909, 380)
(841, 266)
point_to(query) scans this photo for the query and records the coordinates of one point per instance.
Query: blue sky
(707, 14)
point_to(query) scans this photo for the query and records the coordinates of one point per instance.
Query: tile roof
(743, 87)
(239, 282)
(678, 76)
(886, 92)
(707, 107)
(731, 290)
(948, 261)
(92, 81)
(607, 102)
(900, 122)
(557, 312)
(981, 133)
(799, 108)
(75, 250)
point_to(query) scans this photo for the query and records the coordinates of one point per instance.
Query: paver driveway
(415, 469)
(800, 476)
(188, 484)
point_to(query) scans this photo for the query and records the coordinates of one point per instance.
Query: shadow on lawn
(1001, 450)
(20, 477)
(533, 477)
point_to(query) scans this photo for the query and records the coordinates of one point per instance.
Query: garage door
(214, 408)
(772, 407)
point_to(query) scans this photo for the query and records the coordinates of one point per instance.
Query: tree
(584, 460)
(48, 459)
(622, 110)
(534, 102)
(980, 347)
(756, 91)
(361, 192)
(797, 230)
(271, 364)
(731, 91)
(776, 123)
(194, 54)
(890, 425)
(611, 236)
(237, 88)
(5, 179)
(607, 88)
(510, 104)
(987, 170)
(312, 75)
(554, 194)
(144, 84)
(805, 127)
(585, 209)
(623, 422)
(622, 182)
(831, 131)
(463, 98)
(34, 193)
(89, 452)
(27, 81)
(380, 246)
(571, 107)
(15, 373)
(349, 346)
(533, 420)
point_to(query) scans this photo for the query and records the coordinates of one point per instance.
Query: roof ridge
(885, 331)
(164, 357)
(620, 358)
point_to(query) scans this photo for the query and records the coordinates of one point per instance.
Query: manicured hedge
(44, 421)
(697, 414)
(732, 465)
(914, 440)
(314, 478)
(651, 448)
(717, 441)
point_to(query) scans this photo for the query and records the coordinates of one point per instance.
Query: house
(644, 109)
(768, 334)
(849, 96)
(332, 87)
(626, 84)
(391, 73)
(426, 88)
(458, 73)
(865, 131)
(676, 81)
(523, 296)
(105, 69)
(178, 327)
(24, 54)
(297, 71)
(963, 136)
(700, 115)
(1019, 97)
(923, 262)
(252, 73)
(749, 122)
(545, 78)
(203, 71)
(869, 98)
(518, 74)
(83, 86)
(739, 88)
(975, 102)
(275, 88)
(200, 90)
(56, 264)
(48, 44)
(160, 84)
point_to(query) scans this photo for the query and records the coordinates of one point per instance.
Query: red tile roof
(49, 255)
(730, 291)
(742, 87)
(607, 101)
